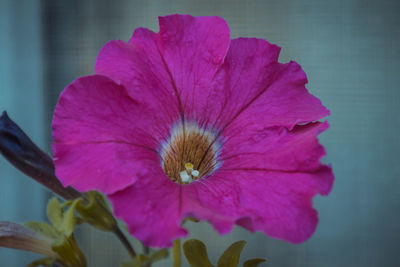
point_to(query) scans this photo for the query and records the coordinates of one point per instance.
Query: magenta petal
(215, 201)
(101, 136)
(151, 209)
(285, 102)
(193, 49)
(251, 87)
(106, 167)
(248, 69)
(281, 203)
(139, 67)
(274, 148)
(276, 203)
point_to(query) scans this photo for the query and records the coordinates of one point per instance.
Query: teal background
(348, 48)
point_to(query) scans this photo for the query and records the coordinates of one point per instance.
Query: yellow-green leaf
(231, 256)
(196, 253)
(55, 212)
(67, 226)
(253, 262)
(63, 221)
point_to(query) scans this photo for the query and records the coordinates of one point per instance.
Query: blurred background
(348, 48)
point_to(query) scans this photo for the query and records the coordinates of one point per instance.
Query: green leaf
(196, 253)
(63, 221)
(253, 262)
(55, 212)
(42, 262)
(231, 256)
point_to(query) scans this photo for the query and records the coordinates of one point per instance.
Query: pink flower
(188, 123)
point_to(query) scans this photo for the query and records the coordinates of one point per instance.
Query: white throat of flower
(190, 153)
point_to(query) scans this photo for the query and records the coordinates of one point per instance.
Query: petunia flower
(189, 123)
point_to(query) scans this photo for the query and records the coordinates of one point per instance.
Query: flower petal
(139, 67)
(285, 102)
(276, 203)
(274, 148)
(251, 86)
(107, 166)
(248, 68)
(193, 49)
(151, 209)
(170, 71)
(102, 136)
(213, 200)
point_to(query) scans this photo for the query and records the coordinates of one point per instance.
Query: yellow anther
(189, 166)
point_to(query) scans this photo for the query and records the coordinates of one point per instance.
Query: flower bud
(21, 152)
(16, 236)
(43, 239)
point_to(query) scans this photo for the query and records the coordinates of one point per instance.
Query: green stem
(176, 253)
(146, 251)
(117, 231)
(125, 242)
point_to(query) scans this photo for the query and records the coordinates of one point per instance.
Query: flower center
(190, 153)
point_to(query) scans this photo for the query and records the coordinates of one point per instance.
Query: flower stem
(176, 253)
(111, 223)
(146, 250)
(125, 242)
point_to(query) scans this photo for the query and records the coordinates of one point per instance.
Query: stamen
(185, 177)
